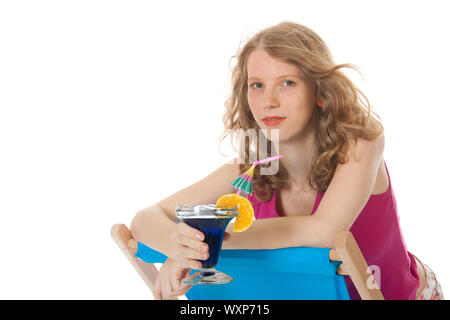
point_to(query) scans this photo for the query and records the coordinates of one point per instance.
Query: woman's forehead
(264, 66)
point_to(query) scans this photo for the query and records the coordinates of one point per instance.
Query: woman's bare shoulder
(360, 146)
(206, 190)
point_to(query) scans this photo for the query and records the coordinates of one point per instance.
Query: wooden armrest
(123, 238)
(132, 244)
(356, 266)
(334, 256)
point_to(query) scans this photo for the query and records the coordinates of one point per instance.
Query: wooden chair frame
(345, 249)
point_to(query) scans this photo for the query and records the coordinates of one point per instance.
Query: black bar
(214, 309)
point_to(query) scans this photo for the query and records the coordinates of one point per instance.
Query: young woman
(332, 176)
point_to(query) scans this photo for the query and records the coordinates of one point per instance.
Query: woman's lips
(273, 122)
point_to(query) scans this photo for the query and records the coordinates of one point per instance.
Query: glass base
(209, 276)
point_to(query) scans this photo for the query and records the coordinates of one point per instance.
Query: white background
(110, 106)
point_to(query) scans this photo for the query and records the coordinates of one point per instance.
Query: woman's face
(276, 89)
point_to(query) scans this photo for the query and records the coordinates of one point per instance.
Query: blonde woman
(332, 176)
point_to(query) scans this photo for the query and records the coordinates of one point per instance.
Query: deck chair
(300, 273)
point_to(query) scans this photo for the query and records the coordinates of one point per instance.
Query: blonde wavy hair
(345, 113)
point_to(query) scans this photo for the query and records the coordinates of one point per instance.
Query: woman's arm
(153, 226)
(282, 232)
(344, 199)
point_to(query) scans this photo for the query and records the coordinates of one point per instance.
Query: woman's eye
(290, 81)
(252, 85)
(290, 84)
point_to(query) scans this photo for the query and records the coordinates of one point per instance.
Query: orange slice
(245, 210)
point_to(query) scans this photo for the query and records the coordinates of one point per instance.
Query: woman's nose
(270, 100)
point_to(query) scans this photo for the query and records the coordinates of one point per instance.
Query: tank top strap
(389, 176)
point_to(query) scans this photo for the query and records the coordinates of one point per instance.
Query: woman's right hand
(169, 283)
(187, 246)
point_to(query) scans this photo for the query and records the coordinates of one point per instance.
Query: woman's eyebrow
(283, 76)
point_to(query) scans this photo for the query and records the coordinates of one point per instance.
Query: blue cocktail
(211, 221)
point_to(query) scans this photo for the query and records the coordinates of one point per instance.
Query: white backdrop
(110, 106)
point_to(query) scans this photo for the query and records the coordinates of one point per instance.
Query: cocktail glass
(211, 221)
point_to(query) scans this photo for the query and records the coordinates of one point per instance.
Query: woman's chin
(277, 140)
(272, 134)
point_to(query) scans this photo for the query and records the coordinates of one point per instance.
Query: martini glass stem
(206, 272)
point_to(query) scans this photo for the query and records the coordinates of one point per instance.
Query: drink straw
(245, 181)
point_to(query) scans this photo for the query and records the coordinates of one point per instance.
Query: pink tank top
(377, 232)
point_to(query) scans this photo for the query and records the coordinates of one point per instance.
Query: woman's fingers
(182, 291)
(167, 290)
(189, 263)
(194, 244)
(158, 292)
(190, 276)
(185, 251)
(227, 236)
(186, 256)
(178, 286)
(184, 288)
(188, 252)
(169, 283)
(187, 246)
(174, 287)
(190, 232)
